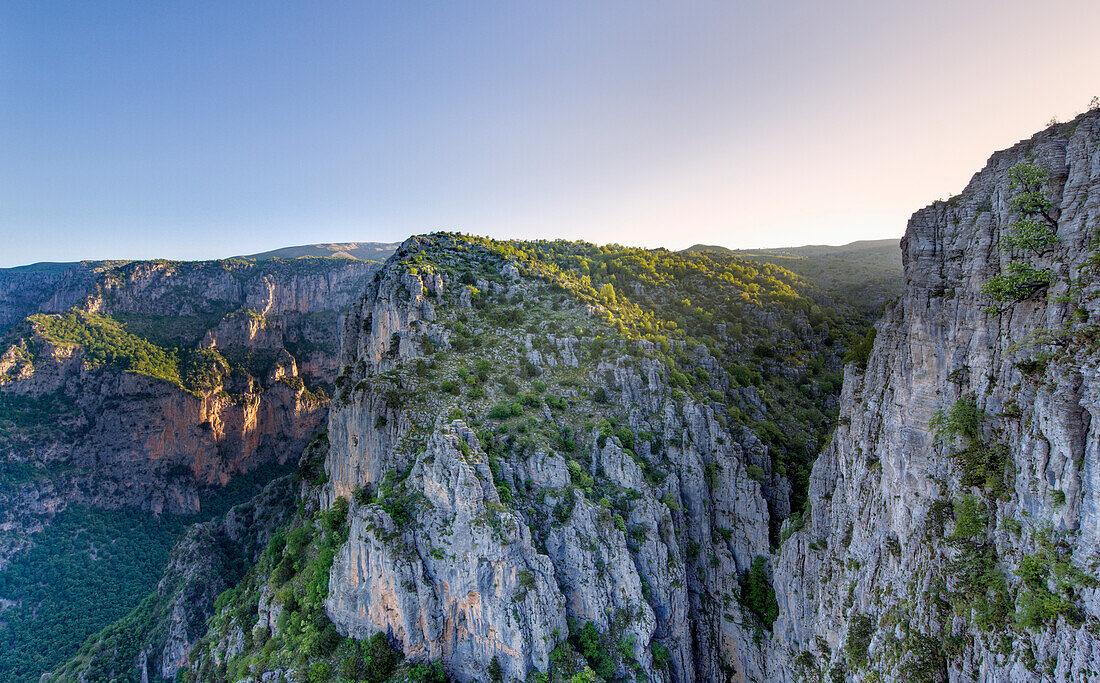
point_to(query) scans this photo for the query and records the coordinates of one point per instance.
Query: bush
(757, 595)
(588, 642)
(427, 673)
(984, 465)
(380, 659)
(661, 657)
(320, 672)
(860, 632)
(859, 349)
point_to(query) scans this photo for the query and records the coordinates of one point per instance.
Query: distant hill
(866, 273)
(365, 251)
(48, 267)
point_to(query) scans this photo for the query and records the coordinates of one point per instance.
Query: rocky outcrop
(463, 553)
(876, 565)
(44, 288)
(117, 438)
(917, 558)
(463, 582)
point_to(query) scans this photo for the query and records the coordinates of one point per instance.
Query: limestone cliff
(476, 547)
(968, 557)
(191, 374)
(551, 461)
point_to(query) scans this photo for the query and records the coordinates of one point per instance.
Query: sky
(202, 130)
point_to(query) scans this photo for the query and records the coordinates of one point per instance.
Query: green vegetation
(30, 417)
(89, 568)
(859, 352)
(861, 630)
(1029, 237)
(980, 593)
(105, 341)
(295, 567)
(747, 346)
(1050, 582)
(757, 594)
(982, 464)
(864, 274)
(597, 656)
(708, 301)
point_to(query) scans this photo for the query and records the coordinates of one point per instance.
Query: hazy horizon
(399, 241)
(170, 130)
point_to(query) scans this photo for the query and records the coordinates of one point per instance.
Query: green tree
(1030, 236)
(607, 294)
(757, 594)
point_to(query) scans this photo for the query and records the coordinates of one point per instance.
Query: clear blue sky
(204, 129)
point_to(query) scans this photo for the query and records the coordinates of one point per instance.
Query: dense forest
(90, 567)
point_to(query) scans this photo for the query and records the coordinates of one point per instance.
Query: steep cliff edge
(555, 458)
(144, 383)
(954, 525)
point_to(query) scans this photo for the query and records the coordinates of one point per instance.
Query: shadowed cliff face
(143, 383)
(971, 556)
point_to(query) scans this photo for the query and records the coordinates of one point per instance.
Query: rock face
(513, 488)
(875, 564)
(466, 549)
(118, 438)
(971, 556)
(483, 590)
(42, 289)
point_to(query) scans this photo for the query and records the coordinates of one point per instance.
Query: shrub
(661, 657)
(757, 595)
(588, 642)
(380, 659)
(427, 673)
(859, 349)
(858, 641)
(756, 473)
(984, 465)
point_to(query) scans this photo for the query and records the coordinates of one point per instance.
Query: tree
(757, 594)
(1031, 236)
(607, 294)
(496, 674)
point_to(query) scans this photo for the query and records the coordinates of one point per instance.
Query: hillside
(564, 462)
(365, 251)
(131, 394)
(535, 381)
(557, 461)
(866, 273)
